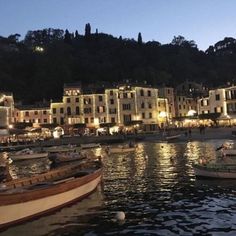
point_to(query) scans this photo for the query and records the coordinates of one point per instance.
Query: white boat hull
(214, 173)
(15, 213)
(18, 157)
(90, 145)
(230, 152)
(121, 150)
(172, 137)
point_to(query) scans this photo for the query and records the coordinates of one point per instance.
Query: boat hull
(20, 157)
(14, 210)
(214, 173)
(90, 145)
(230, 152)
(121, 150)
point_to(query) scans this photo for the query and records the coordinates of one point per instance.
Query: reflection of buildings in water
(77, 214)
(195, 150)
(98, 151)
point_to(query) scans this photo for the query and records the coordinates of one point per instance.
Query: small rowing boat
(120, 149)
(66, 157)
(27, 154)
(215, 170)
(90, 145)
(26, 198)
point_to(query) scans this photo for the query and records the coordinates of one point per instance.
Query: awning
(209, 116)
(133, 122)
(107, 125)
(79, 125)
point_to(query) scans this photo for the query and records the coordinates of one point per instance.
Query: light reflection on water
(156, 188)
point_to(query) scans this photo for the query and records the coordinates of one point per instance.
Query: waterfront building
(32, 114)
(169, 94)
(163, 113)
(186, 106)
(220, 105)
(6, 109)
(124, 106)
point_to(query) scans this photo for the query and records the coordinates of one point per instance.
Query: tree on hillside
(181, 41)
(43, 37)
(67, 37)
(87, 30)
(140, 41)
(76, 35)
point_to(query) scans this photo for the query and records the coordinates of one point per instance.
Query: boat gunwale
(50, 190)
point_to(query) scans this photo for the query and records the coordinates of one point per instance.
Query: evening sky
(204, 21)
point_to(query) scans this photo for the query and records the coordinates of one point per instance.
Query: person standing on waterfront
(189, 133)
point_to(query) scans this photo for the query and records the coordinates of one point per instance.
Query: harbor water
(156, 189)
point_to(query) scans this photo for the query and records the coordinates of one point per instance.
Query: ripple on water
(159, 195)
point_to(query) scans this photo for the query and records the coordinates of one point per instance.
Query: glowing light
(96, 121)
(39, 49)
(191, 113)
(162, 114)
(58, 132)
(10, 126)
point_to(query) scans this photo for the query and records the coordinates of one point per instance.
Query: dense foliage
(37, 67)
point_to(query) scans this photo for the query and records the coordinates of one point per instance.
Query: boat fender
(120, 216)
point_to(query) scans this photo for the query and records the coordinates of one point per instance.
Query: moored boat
(230, 152)
(90, 145)
(215, 170)
(172, 137)
(120, 149)
(64, 148)
(66, 157)
(27, 154)
(26, 198)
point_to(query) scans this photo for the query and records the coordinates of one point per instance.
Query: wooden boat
(172, 137)
(26, 198)
(26, 154)
(66, 157)
(120, 149)
(90, 145)
(215, 170)
(227, 149)
(65, 148)
(229, 152)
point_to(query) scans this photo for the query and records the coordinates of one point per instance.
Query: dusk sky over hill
(204, 21)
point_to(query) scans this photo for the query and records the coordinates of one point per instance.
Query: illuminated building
(30, 114)
(124, 105)
(6, 109)
(168, 93)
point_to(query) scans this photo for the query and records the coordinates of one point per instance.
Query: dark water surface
(157, 190)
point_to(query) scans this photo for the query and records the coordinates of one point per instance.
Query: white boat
(64, 148)
(227, 149)
(120, 149)
(230, 152)
(66, 157)
(90, 145)
(26, 154)
(172, 137)
(24, 199)
(215, 170)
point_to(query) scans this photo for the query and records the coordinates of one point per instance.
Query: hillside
(37, 67)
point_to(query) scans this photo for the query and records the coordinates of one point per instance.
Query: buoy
(120, 215)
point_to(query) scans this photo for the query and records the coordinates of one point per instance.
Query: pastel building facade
(34, 115)
(123, 106)
(6, 109)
